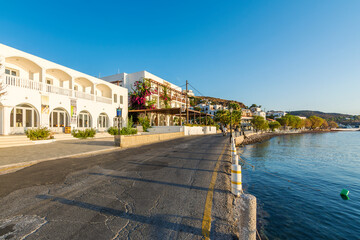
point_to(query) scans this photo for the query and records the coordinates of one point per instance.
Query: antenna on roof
(118, 71)
(99, 75)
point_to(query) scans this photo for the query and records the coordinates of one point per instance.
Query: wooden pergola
(178, 112)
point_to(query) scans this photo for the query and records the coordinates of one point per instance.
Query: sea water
(297, 180)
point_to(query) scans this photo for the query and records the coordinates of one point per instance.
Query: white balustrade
(103, 99)
(84, 95)
(58, 90)
(38, 86)
(23, 83)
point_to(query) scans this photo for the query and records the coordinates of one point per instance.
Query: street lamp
(231, 111)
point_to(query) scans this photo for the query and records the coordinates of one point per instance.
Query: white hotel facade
(42, 93)
(127, 80)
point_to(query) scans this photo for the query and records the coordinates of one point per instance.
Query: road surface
(160, 191)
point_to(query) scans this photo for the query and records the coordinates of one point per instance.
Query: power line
(196, 90)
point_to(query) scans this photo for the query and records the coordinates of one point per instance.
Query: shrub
(145, 123)
(128, 130)
(38, 133)
(113, 130)
(83, 134)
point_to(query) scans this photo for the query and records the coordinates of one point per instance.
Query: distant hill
(337, 117)
(212, 100)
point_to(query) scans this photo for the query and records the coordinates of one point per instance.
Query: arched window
(84, 119)
(24, 116)
(59, 119)
(103, 121)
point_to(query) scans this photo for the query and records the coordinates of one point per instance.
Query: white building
(127, 80)
(276, 114)
(42, 93)
(256, 111)
(211, 109)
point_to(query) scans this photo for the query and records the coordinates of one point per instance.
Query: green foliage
(333, 124)
(83, 134)
(113, 130)
(316, 122)
(223, 116)
(38, 133)
(145, 123)
(165, 97)
(274, 125)
(259, 123)
(234, 106)
(291, 121)
(128, 130)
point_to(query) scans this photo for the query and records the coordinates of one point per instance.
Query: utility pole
(187, 110)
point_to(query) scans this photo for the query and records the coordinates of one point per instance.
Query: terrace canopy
(172, 116)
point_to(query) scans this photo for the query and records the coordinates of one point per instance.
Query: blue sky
(283, 55)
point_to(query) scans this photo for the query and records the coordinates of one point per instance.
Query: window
(115, 98)
(11, 72)
(76, 88)
(121, 99)
(48, 81)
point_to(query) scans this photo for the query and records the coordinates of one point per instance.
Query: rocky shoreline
(257, 138)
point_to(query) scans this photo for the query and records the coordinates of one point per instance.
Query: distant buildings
(276, 114)
(256, 111)
(211, 109)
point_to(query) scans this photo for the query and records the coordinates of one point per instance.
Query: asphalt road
(158, 191)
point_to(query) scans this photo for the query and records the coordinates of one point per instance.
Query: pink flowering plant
(165, 98)
(139, 96)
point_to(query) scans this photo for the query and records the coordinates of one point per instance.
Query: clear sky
(283, 55)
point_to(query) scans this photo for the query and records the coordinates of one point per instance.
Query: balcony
(103, 99)
(38, 86)
(84, 95)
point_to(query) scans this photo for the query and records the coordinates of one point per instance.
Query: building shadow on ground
(158, 221)
(160, 182)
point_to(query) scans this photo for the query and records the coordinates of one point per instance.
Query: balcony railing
(38, 86)
(84, 95)
(103, 99)
(58, 90)
(23, 83)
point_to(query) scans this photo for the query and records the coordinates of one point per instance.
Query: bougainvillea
(139, 97)
(164, 96)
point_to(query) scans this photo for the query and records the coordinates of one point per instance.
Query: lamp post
(119, 115)
(231, 111)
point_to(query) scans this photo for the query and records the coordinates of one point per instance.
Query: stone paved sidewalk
(58, 149)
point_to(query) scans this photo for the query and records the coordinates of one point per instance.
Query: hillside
(337, 117)
(212, 100)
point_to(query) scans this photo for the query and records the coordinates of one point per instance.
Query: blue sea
(297, 180)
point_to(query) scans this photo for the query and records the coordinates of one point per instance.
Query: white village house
(42, 93)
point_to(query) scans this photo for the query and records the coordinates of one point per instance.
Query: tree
(259, 123)
(316, 122)
(223, 116)
(274, 125)
(325, 124)
(333, 124)
(234, 106)
(290, 121)
(307, 123)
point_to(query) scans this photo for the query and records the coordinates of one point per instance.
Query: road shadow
(160, 182)
(91, 142)
(156, 221)
(184, 158)
(159, 166)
